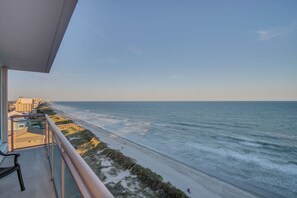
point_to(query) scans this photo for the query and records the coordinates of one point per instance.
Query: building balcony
(50, 165)
(31, 32)
(36, 174)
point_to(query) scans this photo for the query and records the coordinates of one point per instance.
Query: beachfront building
(37, 102)
(24, 105)
(31, 32)
(27, 104)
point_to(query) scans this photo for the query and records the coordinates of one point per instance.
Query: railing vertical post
(52, 162)
(50, 139)
(45, 133)
(62, 175)
(48, 136)
(11, 134)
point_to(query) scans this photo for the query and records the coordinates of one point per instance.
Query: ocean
(251, 144)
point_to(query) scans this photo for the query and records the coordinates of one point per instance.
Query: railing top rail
(92, 182)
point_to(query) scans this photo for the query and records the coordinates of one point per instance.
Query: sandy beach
(180, 175)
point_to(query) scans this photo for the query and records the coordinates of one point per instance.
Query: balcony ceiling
(31, 32)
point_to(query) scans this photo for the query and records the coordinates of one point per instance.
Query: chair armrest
(16, 155)
(10, 154)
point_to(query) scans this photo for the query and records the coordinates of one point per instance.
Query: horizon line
(172, 100)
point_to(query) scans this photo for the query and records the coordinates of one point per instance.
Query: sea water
(247, 143)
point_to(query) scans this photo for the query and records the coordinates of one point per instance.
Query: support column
(3, 104)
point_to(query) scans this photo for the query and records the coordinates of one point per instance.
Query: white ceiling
(31, 32)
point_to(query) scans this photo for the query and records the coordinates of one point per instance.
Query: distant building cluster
(11, 106)
(20, 107)
(27, 104)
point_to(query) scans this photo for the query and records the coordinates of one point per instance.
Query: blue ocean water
(252, 143)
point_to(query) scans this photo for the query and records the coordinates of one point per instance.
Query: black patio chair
(4, 171)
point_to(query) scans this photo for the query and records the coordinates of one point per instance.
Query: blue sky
(172, 50)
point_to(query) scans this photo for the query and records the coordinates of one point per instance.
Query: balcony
(36, 174)
(51, 167)
(31, 32)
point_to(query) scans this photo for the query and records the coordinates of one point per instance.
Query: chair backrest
(4, 171)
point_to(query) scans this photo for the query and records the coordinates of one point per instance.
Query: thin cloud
(108, 60)
(94, 29)
(175, 76)
(134, 50)
(271, 34)
(280, 32)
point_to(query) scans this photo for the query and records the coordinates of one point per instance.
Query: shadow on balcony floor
(36, 174)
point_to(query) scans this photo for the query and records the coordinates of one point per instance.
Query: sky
(168, 50)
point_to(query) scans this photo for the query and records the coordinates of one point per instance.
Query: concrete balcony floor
(36, 174)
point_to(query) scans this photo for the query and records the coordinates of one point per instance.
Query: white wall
(3, 111)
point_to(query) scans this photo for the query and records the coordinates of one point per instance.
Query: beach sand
(177, 173)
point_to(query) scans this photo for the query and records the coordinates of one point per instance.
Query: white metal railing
(71, 175)
(87, 182)
(26, 136)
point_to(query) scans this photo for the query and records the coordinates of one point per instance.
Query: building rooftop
(25, 100)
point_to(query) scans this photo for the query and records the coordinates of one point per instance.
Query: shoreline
(181, 175)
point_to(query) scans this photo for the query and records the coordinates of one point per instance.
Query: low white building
(19, 123)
